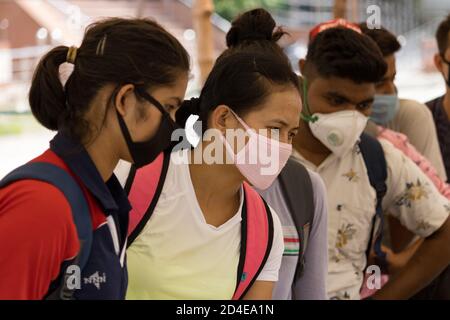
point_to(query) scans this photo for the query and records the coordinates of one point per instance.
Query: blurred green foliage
(229, 9)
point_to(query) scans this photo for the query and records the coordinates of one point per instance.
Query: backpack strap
(256, 240)
(375, 162)
(298, 193)
(144, 187)
(74, 195)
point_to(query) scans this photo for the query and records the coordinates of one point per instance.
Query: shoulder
(414, 110)
(317, 182)
(276, 220)
(33, 210)
(27, 196)
(389, 149)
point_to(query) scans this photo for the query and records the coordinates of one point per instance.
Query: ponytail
(47, 97)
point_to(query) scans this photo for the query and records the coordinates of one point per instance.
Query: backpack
(62, 180)
(144, 187)
(375, 162)
(294, 177)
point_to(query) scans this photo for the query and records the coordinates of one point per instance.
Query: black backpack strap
(298, 193)
(375, 162)
(62, 180)
(162, 178)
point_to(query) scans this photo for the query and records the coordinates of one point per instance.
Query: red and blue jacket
(38, 238)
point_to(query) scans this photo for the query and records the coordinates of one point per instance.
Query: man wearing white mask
(341, 69)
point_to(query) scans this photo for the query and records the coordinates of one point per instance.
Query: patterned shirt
(411, 197)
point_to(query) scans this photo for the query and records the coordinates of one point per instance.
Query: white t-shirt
(179, 256)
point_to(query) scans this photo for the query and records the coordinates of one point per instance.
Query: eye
(169, 107)
(364, 106)
(292, 135)
(336, 101)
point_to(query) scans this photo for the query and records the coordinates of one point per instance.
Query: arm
(37, 235)
(398, 260)
(312, 284)
(416, 203)
(260, 290)
(431, 258)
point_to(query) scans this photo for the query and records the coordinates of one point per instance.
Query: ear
(301, 65)
(438, 62)
(125, 99)
(222, 118)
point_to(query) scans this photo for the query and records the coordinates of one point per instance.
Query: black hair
(255, 30)
(244, 75)
(442, 34)
(114, 51)
(386, 40)
(344, 53)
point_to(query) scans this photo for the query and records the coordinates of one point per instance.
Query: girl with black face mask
(64, 216)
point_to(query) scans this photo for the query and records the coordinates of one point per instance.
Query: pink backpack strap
(256, 240)
(144, 187)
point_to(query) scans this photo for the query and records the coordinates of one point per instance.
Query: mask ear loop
(307, 117)
(152, 100)
(246, 127)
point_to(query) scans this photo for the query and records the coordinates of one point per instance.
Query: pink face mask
(261, 160)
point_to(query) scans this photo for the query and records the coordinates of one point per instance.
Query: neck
(309, 146)
(446, 102)
(217, 190)
(103, 155)
(215, 180)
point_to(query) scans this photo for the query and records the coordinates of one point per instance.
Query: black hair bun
(187, 108)
(253, 25)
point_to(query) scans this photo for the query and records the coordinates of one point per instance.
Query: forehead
(177, 88)
(343, 87)
(282, 102)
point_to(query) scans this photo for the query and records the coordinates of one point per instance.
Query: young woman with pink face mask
(191, 243)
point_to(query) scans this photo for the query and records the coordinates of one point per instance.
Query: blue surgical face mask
(384, 108)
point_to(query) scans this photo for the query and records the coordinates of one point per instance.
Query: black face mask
(145, 152)
(448, 71)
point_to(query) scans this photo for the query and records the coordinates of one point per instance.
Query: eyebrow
(340, 96)
(283, 123)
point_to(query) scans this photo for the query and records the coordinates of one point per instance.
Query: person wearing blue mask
(402, 115)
